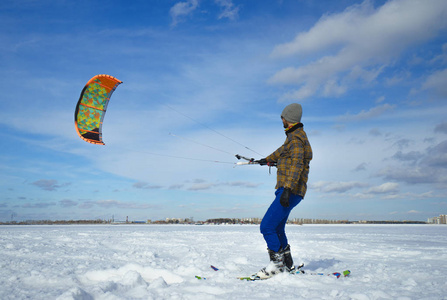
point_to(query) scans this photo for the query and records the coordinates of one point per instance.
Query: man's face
(284, 122)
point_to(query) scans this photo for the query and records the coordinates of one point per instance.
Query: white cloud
(337, 187)
(386, 188)
(442, 58)
(437, 83)
(429, 166)
(228, 9)
(436, 156)
(243, 184)
(412, 156)
(145, 185)
(380, 99)
(49, 184)
(369, 114)
(413, 175)
(182, 9)
(363, 40)
(185, 8)
(360, 167)
(121, 204)
(201, 186)
(38, 205)
(442, 128)
(68, 203)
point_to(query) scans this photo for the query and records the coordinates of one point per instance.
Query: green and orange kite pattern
(92, 106)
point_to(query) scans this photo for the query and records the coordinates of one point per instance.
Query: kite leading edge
(92, 106)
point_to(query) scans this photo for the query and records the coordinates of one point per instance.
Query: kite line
(213, 130)
(92, 106)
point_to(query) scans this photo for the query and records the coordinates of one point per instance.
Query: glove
(284, 200)
(262, 161)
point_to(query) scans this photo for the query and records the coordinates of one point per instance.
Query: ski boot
(288, 261)
(275, 266)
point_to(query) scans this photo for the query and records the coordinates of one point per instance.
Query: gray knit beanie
(292, 113)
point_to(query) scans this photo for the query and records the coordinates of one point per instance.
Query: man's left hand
(284, 200)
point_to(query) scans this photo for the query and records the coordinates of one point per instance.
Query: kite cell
(92, 106)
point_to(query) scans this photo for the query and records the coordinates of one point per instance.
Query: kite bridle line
(201, 144)
(213, 130)
(248, 161)
(180, 157)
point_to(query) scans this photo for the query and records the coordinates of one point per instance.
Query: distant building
(437, 220)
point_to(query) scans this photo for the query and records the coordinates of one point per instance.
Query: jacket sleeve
(275, 155)
(295, 168)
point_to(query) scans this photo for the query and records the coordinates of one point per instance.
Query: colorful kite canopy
(92, 106)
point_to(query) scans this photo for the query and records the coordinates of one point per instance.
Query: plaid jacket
(293, 159)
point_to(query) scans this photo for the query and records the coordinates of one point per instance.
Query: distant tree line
(388, 222)
(57, 222)
(216, 221)
(258, 221)
(301, 221)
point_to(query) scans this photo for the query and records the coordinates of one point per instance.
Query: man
(292, 160)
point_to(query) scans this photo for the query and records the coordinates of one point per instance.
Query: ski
(345, 273)
(254, 277)
(298, 270)
(204, 278)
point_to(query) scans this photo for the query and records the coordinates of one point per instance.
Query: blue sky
(207, 79)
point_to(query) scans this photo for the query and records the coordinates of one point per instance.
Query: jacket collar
(293, 127)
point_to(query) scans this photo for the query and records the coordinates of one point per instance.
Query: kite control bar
(251, 161)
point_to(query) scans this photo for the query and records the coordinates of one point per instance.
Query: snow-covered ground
(161, 262)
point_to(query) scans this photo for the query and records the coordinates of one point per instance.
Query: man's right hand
(262, 161)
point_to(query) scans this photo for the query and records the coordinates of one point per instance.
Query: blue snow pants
(274, 222)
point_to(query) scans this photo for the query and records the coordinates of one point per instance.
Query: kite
(92, 106)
